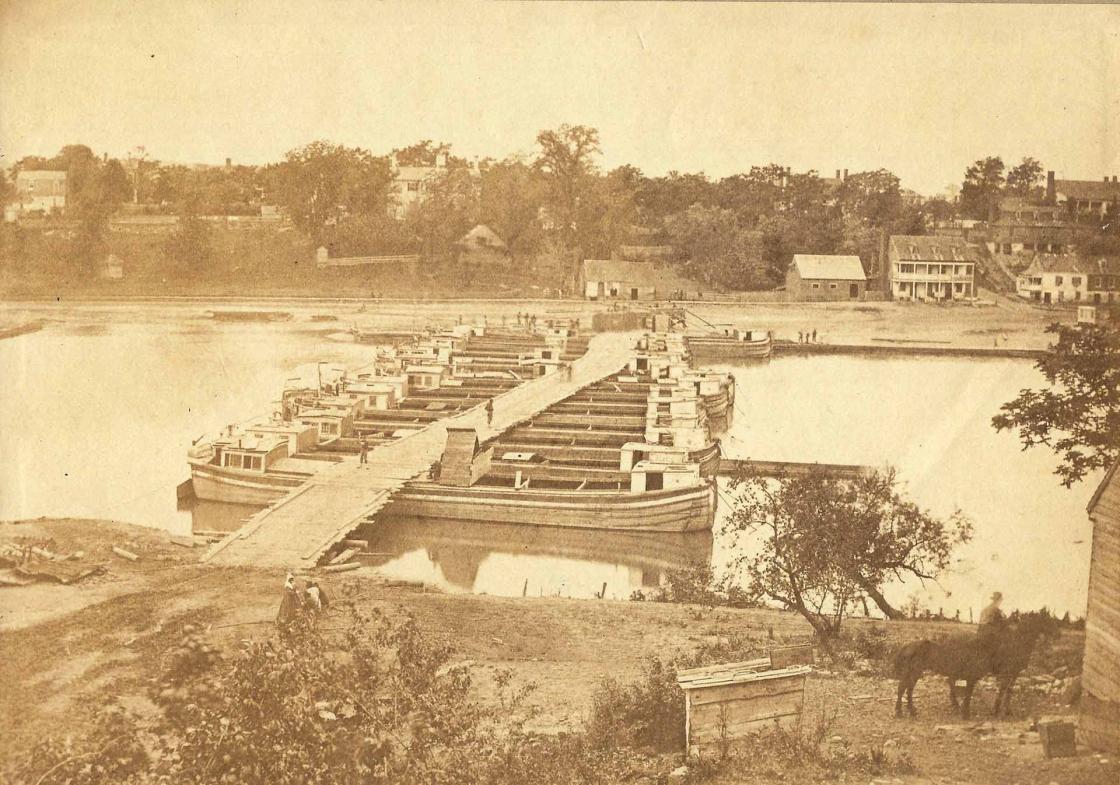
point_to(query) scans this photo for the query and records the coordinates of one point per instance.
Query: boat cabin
(329, 424)
(653, 475)
(249, 453)
(376, 393)
(298, 438)
(424, 377)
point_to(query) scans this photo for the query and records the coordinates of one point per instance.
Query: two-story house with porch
(931, 268)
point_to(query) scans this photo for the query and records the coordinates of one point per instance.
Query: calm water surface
(95, 420)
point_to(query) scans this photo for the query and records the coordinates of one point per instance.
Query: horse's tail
(913, 655)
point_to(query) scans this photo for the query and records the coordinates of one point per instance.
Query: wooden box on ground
(1057, 738)
(727, 702)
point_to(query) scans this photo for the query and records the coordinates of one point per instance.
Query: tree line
(736, 232)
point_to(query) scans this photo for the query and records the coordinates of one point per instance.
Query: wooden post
(525, 588)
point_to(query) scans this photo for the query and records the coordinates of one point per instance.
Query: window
(1057, 280)
(816, 286)
(1076, 280)
(906, 268)
(832, 286)
(413, 185)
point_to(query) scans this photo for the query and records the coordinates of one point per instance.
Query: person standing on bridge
(489, 411)
(363, 449)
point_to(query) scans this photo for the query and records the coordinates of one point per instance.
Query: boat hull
(678, 510)
(214, 483)
(719, 348)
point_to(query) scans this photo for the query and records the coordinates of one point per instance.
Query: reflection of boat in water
(459, 549)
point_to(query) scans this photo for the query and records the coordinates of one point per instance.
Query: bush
(646, 713)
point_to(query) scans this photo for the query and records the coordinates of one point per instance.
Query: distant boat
(21, 329)
(250, 316)
(730, 345)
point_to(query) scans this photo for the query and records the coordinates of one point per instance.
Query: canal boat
(408, 389)
(632, 452)
(730, 344)
(257, 464)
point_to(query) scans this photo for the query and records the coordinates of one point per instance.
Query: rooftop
(925, 248)
(834, 268)
(1088, 189)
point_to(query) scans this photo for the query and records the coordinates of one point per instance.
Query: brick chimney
(1051, 191)
(837, 174)
(845, 174)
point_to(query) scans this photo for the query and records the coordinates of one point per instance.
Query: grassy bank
(68, 649)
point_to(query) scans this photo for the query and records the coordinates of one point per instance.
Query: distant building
(931, 268)
(1104, 278)
(616, 279)
(1068, 278)
(482, 246)
(1099, 723)
(968, 229)
(410, 184)
(1023, 226)
(1053, 278)
(40, 191)
(818, 277)
(1083, 197)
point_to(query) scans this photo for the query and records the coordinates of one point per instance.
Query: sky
(922, 90)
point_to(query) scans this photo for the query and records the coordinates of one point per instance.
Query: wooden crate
(724, 703)
(1057, 738)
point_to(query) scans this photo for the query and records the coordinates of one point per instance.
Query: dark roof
(1088, 189)
(906, 247)
(620, 271)
(482, 236)
(1054, 263)
(1072, 263)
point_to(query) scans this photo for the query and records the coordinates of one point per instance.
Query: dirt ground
(68, 648)
(1002, 322)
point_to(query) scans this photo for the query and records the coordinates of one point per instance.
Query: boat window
(655, 481)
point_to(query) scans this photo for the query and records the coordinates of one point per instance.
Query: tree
(321, 182)
(981, 189)
(511, 194)
(566, 159)
(1078, 415)
(115, 186)
(829, 542)
(718, 251)
(1023, 180)
(874, 197)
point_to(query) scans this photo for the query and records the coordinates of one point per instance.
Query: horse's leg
(910, 699)
(898, 699)
(966, 707)
(1007, 697)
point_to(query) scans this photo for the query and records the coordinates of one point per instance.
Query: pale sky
(922, 90)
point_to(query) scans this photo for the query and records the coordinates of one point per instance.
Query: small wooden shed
(1100, 677)
(727, 702)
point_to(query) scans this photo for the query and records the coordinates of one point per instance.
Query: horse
(1004, 653)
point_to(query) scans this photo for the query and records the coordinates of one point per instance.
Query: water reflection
(513, 561)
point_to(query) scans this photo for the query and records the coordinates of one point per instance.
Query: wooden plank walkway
(299, 529)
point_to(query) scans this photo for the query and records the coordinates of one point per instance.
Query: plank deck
(298, 530)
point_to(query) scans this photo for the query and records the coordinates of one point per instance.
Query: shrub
(645, 713)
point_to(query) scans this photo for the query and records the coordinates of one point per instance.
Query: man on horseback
(991, 619)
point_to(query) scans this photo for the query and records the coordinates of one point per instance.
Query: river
(96, 415)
